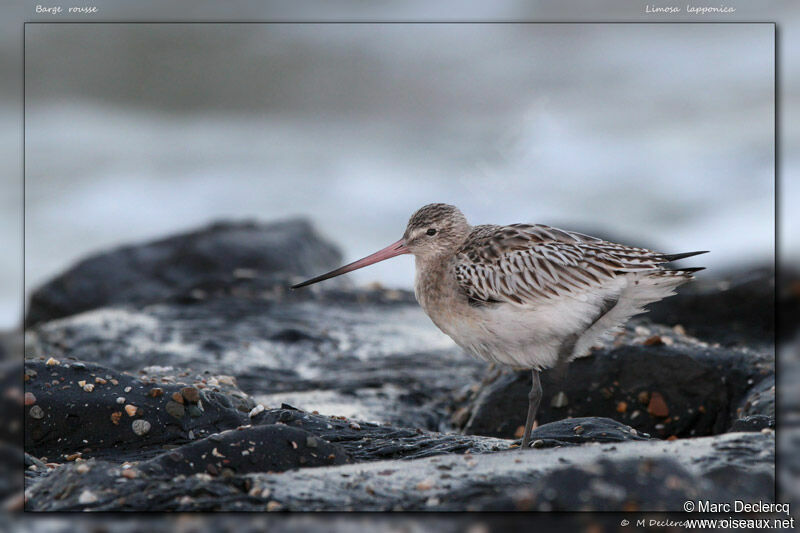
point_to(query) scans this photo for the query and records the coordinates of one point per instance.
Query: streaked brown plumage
(527, 296)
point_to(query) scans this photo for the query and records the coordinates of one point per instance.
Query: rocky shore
(183, 375)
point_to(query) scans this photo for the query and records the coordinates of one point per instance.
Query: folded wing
(523, 264)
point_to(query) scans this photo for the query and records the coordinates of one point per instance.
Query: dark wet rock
(760, 399)
(76, 420)
(381, 357)
(643, 476)
(699, 385)
(484, 482)
(753, 423)
(736, 308)
(100, 423)
(267, 448)
(183, 265)
(365, 441)
(575, 431)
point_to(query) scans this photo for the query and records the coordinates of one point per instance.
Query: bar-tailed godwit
(526, 296)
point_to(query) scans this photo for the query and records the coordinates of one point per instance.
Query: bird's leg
(534, 396)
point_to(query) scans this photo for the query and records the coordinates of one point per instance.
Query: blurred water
(660, 135)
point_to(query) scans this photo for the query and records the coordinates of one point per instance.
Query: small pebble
(198, 294)
(141, 427)
(657, 406)
(128, 389)
(87, 496)
(175, 409)
(655, 340)
(115, 416)
(130, 473)
(256, 410)
(272, 505)
(88, 387)
(260, 492)
(643, 397)
(156, 392)
(82, 468)
(101, 381)
(36, 412)
(52, 362)
(177, 397)
(130, 409)
(425, 484)
(622, 407)
(190, 394)
(578, 430)
(30, 398)
(175, 456)
(121, 400)
(354, 425)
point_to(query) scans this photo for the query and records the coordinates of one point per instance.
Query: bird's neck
(431, 278)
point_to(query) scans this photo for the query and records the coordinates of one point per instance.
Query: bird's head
(434, 230)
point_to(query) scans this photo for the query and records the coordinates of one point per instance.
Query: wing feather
(523, 263)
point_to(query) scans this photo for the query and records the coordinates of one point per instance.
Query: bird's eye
(431, 231)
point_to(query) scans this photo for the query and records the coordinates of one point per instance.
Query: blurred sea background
(659, 135)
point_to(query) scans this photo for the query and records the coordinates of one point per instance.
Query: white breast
(521, 336)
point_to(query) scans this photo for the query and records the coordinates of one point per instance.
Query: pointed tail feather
(690, 270)
(675, 257)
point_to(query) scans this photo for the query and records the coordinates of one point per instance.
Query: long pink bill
(394, 249)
